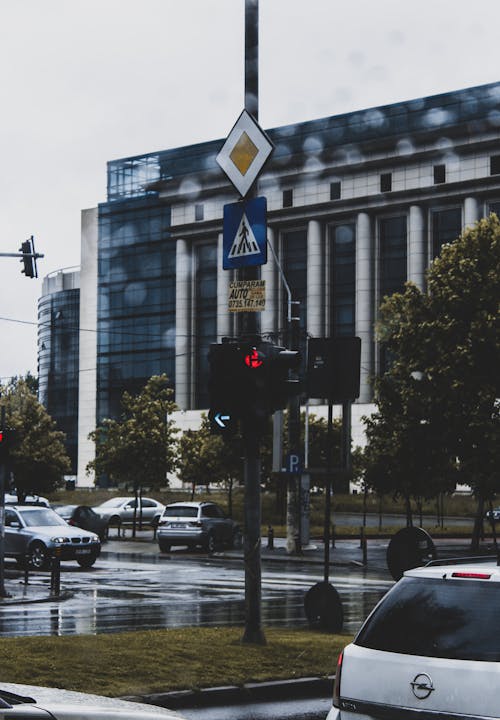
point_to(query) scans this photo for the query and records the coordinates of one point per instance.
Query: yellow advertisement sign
(247, 296)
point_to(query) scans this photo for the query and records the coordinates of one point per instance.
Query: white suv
(430, 648)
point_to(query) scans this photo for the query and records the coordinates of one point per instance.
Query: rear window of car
(456, 619)
(180, 512)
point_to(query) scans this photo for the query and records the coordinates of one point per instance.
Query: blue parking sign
(245, 233)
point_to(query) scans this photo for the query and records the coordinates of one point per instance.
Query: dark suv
(430, 648)
(194, 524)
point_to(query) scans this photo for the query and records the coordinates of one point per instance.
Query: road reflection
(126, 595)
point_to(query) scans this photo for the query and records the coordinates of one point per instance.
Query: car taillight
(473, 575)
(336, 684)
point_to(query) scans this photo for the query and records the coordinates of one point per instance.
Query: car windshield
(180, 511)
(38, 517)
(435, 618)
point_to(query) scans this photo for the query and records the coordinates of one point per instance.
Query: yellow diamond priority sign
(244, 153)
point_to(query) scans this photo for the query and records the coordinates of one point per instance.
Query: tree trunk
(230, 498)
(409, 517)
(493, 527)
(134, 521)
(478, 525)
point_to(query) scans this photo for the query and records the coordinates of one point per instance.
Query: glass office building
(58, 354)
(358, 204)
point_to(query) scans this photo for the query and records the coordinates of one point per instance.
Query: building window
(287, 198)
(495, 165)
(392, 254)
(392, 264)
(439, 174)
(335, 191)
(446, 227)
(294, 263)
(386, 182)
(495, 208)
(342, 280)
(199, 212)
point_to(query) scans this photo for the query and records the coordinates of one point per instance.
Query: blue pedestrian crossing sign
(245, 233)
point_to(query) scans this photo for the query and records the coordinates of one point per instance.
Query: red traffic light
(254, 359)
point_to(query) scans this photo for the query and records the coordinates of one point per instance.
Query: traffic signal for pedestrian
(249, 380)
(29, 258)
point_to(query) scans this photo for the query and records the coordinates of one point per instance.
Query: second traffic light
(29, 258)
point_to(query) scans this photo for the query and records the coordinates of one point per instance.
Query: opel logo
(422, 686)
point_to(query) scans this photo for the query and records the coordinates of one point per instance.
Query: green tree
(206, 459)
(138, 449)
(37, 457)
(437, 420)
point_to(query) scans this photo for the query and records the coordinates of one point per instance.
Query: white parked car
(429, 649)
(12, 499)
(29, 701)
(120, 510)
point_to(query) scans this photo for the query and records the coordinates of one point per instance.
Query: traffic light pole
(253, 592)
(252, 543)
(293, 504)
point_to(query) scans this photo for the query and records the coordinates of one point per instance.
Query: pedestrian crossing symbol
(245, 236)
(244, 243)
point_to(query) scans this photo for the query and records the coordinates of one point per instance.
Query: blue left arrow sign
(222, 420)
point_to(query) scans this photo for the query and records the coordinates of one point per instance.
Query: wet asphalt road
(128, 592)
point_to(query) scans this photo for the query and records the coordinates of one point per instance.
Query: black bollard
(55, 575)
(270, 538)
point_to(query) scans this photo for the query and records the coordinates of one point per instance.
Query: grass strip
(162, 660)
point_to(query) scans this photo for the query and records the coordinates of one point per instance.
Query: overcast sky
(87, 81)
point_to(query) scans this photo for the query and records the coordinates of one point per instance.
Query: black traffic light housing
(283, 364)
(333, 368)
(29, 258)
(249, 380)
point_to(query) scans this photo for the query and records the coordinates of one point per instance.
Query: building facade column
(315, 280)
(365, 302)
(87, 380)
(224, 317)
(269, 272)
(471, 211)
(183, 301)
(417, 247)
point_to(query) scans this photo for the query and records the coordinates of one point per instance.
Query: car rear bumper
(179, 536)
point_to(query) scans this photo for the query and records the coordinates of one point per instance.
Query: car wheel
(164, 547)
(211, 544)
(38, 556)
(237, 540)
(87, 561)
(114, 521)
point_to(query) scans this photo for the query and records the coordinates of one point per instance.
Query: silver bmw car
(34, 535)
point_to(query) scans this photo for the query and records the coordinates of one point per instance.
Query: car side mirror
(14, 524)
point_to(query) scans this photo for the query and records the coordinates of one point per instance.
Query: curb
(235, 695)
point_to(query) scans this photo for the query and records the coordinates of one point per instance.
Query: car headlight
(59, 540)
(94, 538)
